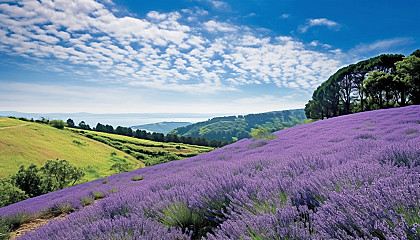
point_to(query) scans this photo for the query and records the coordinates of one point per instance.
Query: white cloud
(217, 4)
(319, 22)
(162, 51)
(381, 46)
(213, 26)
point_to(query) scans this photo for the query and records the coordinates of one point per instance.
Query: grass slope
(147, 151)
(23, 143)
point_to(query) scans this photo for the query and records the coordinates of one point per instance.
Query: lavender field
(349, 177)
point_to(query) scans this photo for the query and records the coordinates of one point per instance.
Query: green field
(23, 143)
(149, 152)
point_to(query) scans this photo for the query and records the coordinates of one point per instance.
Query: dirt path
(34, 224)
(21, 125)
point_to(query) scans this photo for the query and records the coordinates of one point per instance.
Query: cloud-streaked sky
(203, 56)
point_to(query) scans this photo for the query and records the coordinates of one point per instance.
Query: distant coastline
(117, 119)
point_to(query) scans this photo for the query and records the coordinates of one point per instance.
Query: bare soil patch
(34, 224)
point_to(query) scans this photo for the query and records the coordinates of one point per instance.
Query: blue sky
(191, 56)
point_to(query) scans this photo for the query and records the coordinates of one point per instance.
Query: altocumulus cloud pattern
(183, 50)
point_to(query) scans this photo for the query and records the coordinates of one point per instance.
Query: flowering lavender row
(349, 177)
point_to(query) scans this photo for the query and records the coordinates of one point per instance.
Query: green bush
(9, 193)
(120, 167)
(58, 124)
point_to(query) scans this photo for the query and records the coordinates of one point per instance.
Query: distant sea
(122, 119)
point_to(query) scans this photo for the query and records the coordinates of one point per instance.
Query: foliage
(60, 173)
(29, 180)
(121, 167)
(32, 182)
(158, 137)
(83, 125)
(58, 124)
(238, 127)
(381, 82)
(70, 122)
(4, 229)
(10, 193)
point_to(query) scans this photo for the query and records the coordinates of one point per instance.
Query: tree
(84, 126)
(61, 173)
(408, 72)
(9, 193)
(28, 180)
(70, 122)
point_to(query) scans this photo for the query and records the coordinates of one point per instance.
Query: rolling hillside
(147, 151)
(350, 177)
(234, 128)
(23, 143)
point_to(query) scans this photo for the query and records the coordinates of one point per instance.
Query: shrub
(120, 167)
(9, 193)
(58, 124)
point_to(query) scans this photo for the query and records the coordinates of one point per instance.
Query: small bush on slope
(315, 181)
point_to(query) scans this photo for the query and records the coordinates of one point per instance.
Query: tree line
(385, 81)
(233, 128)
(142, 134)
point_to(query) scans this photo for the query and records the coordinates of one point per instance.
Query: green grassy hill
(147, 151)
(233, 128)
(23, 143)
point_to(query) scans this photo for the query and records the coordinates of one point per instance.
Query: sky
(188, 56)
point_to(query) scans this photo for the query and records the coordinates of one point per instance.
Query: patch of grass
(60, 209)
(409, 132)
(105, 181)
(98, 195)
(86, 201)
(11, 223)
(268, 136)
(114, 190)
(5, 229)
(78, 143)
(179, 215)
(367, 136)
(139, 178)
(257, 145)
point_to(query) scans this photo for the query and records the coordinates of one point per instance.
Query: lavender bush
(350, 177)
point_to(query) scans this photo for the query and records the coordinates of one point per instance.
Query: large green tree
(384, 81)
(408, 73)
